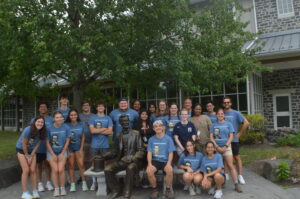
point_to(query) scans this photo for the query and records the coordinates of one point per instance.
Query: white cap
(157, 122)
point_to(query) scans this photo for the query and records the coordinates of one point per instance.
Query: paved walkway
(256, 188)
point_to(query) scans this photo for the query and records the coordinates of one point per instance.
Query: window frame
(285, 15)
(286, 113)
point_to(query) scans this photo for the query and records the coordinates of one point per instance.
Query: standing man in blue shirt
(123, 109)
(64, 105)
(101, 127)
(236, 118)
(188, 104)
(41, 152)
(160, 156)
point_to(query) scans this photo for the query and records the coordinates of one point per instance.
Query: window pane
(283, 121)
(243, 102)
(282, 104)
(242, 87)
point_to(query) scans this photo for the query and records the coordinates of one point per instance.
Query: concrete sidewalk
(256, 188)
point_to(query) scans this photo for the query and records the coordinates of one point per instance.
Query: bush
(257, 122)
(252, 138)
(283, 171)
(293, 140)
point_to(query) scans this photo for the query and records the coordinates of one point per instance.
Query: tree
(134, 43)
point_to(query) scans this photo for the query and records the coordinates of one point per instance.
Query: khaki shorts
(228, 151)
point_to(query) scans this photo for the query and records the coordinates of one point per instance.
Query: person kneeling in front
(212, 169)
(160, 155)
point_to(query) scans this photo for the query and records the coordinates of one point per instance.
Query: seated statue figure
(129, 155)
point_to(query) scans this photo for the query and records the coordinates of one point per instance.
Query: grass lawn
(8, 141)
(249, 155)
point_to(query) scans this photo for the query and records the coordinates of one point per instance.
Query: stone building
(274, 94)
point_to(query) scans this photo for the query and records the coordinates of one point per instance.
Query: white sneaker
(93, 187)
(49, 186)
(192, 190)
(227, 177)
(41, 187)
(218, 194)
(35, 194)
(56, 192)
(241, 179)
(73, 187)
(26, 195)
(186, 187)
(84, 186)
(63, 191)
(211, 191)
(198, 190)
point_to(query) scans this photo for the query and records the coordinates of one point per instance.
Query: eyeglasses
(226, 102)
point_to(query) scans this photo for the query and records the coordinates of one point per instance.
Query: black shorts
(235, 146)
(159, 165)
(20, 151)
(41, 157)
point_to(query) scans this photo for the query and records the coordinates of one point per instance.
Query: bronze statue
(129, 156)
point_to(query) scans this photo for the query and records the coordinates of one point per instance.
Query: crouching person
(160, 155)
(212, 169)
(129, 155)
(190, 161)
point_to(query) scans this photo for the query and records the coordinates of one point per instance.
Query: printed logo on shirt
(98, 125)
(188, 164)
(73, 139)
(208, 169)
(217, 133)
(30, 142)
(54, 140)
(190, 129)
(156, 150)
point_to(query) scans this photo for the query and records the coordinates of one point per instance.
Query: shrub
(283, 171)
(293, 140)
(252, 138)
(257, 122)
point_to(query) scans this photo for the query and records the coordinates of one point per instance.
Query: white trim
(275, 113)
(255, 19)
(288, 14)
(248, 95)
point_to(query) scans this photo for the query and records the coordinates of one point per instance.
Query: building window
(285, 8)
(282, 111)
(9, 113)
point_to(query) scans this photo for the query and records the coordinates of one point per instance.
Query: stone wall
(267, 17)
(277, 80)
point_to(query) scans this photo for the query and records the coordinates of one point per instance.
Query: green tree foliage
(134, 43)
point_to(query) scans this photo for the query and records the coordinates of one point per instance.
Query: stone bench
(101, 191)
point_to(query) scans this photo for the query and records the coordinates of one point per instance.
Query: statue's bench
(102, 184)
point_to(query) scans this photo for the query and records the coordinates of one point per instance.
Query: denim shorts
(49, 155)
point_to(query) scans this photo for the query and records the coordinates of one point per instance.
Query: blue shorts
(21, 151)
(49, 155)
(99, 151)
(71, 150)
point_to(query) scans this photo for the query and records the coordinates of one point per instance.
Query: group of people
(203, 145)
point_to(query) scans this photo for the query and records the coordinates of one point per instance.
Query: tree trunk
(78, 91)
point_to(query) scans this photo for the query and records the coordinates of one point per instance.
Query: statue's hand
(127, 159)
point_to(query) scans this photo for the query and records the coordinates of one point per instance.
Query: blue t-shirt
(64, 112)
(100, 140)
(163, 118)
(115, 115)
(85, 119)
(57, 137)
(193, 161)
(184, 132)
(171, 122)
(212, 117)
(235, 118)
(160, 148)
(221, 132)
(31, 142)
(211, 164)
(76, 133)
(48, 122)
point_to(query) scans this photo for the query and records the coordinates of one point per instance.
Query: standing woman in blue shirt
(190, 161)
(221, 134)
(161, 113)
(212, 168)
(183, 131)
(78, 130)
(172, 119)
(58, 139)
(26, 146)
